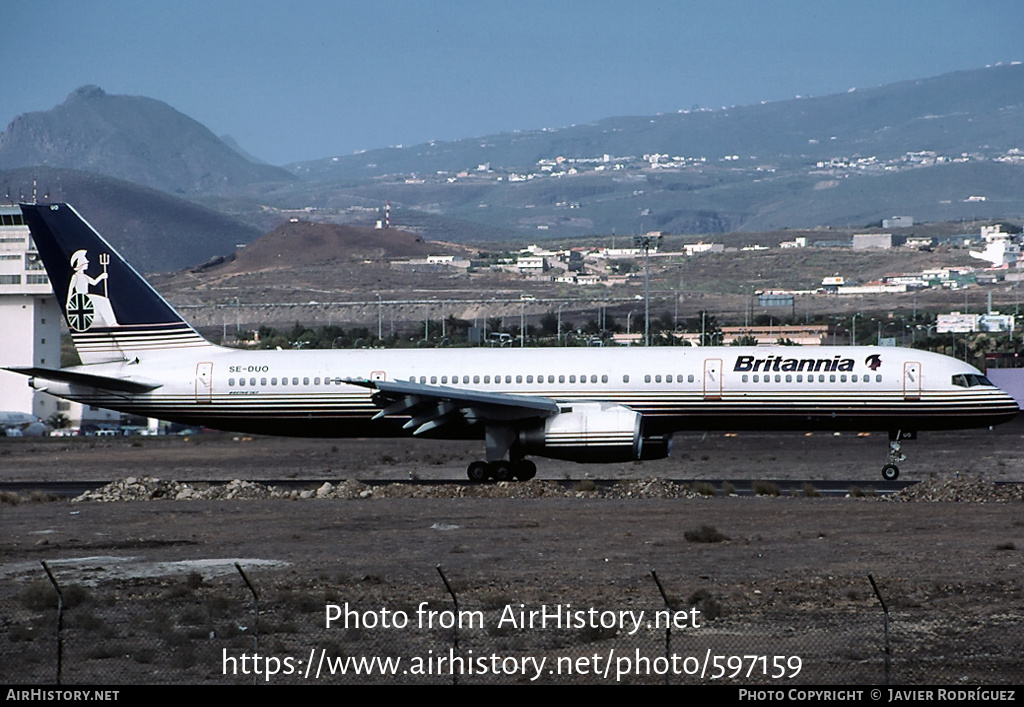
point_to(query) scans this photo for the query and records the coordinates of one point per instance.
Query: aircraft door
(713, 379)
(204, 382)
(911, 380)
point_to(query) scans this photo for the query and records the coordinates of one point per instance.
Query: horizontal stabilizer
(91, 380)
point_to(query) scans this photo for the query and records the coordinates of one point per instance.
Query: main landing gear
(891, 472)
(501, 470)
(500, 441)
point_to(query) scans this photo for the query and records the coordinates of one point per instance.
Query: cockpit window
(969, 380)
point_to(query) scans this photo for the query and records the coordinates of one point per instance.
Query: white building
(956, 323)
(532, 264)
(695, 248)
(1001, 249)
(863, 241)
(29, 315)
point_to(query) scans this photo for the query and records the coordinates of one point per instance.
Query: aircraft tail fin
(112, 312)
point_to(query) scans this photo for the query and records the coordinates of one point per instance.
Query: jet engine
(598, 432)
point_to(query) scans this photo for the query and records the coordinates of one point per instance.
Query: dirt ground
(157, 597)
(991, 454)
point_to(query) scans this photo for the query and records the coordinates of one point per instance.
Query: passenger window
(744, 377)
(487, 379)
(273, 381)
(305, 381)
(799, 378)
(832, 378)
(551, 378)
(647, 378)
(572, 379)
(476, 380)
(789, 378)
(561, 379)
(778, 377)
(657, 378)
(231, 382)
(668, 378)
(842, 379)
(519, 379)
(604, 378)
(316, 381)
(757, 378)
(252, 382)
(263, 381)
(433, 380)
(465, 379)
(508, 379)
(878, 378)
(529, 379)
(593, 378)
(444, 380)
(295, 381)
(689, 378)
(625, 378)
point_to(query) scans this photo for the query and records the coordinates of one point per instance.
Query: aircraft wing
(91, 380)
(430, 406)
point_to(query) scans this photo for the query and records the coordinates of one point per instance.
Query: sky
(309, 79)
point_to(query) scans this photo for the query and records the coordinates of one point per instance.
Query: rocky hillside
(137, 139)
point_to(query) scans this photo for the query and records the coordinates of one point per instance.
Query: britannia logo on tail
(84, 308)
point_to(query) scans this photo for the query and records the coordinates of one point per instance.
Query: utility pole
(646, 242)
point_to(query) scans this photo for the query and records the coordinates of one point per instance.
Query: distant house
(695, 248)
(532, 264)
(863, 241)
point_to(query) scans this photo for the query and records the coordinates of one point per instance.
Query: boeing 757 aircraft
(582, 404)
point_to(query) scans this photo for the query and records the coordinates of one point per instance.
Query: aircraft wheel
(478, 471)
(501, 470)
(524, 469)
(890, 472)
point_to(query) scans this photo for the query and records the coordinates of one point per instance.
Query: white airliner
(582, 404)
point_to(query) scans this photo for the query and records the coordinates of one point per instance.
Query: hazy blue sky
(314, 78)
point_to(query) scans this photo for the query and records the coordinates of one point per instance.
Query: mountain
(154, 230)
(948, 147)
(958, 112)
(132, 138)
(938, 149)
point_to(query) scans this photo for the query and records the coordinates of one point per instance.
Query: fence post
(668, 624)
(256, 617)
(60, 619)
(885, 613)
(455, 624)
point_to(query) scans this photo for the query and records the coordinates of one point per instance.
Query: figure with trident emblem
(84, 309)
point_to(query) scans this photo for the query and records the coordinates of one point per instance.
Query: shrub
(706, 534)
(704, 489)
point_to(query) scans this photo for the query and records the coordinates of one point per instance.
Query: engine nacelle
(593, 432)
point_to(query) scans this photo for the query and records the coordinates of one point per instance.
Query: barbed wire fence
(223, 629)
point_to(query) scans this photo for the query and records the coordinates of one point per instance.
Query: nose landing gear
(891, 472)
